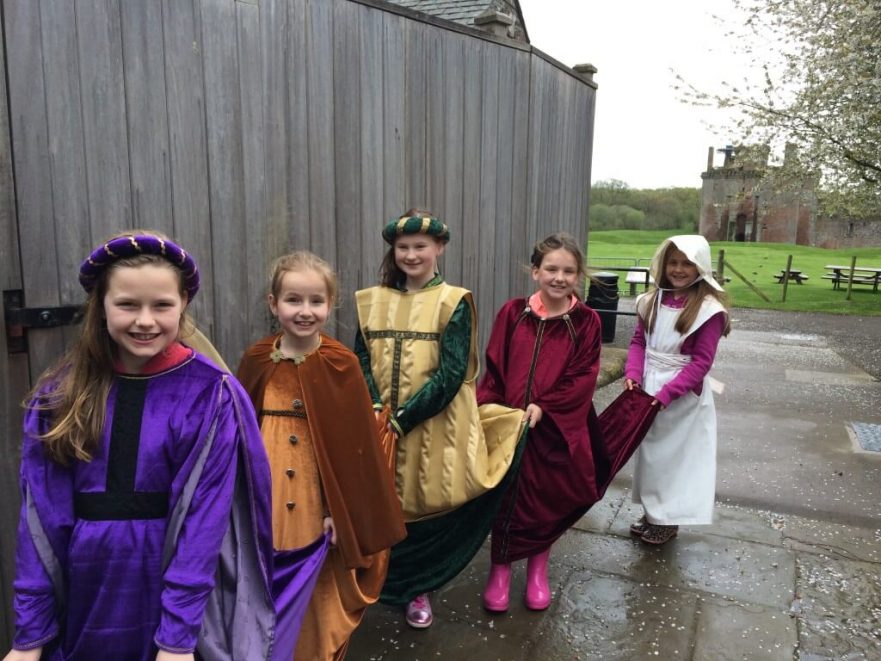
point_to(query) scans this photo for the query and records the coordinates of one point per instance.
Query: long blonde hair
(300, 261)
(74, 392)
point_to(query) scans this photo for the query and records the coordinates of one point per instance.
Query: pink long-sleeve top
(700, 345)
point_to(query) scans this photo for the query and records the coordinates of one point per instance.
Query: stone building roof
(465, 11)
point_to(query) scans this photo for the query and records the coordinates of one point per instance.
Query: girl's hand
(532, 416)
(655, 402)
(630, 384)
(329, 527)
(171, 656)
(24, 655)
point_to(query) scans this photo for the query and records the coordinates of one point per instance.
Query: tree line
(616, 206)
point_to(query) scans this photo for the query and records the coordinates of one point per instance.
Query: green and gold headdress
(415, 225)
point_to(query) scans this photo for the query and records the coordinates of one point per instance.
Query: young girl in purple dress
(141, 477)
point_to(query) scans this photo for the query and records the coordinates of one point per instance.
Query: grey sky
(643, 134)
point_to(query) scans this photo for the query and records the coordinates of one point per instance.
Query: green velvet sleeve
(436, 393)
(364, 360)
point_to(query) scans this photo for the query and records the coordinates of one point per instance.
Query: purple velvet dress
(163, 539)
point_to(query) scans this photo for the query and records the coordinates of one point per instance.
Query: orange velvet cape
(358, 485)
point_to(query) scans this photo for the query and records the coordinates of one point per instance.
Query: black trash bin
(602, 294)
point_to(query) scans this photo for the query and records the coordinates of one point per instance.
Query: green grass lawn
(758, 262)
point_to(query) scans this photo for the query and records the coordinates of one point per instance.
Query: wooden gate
(248, 128)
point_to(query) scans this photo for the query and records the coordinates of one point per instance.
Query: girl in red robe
(544, 356)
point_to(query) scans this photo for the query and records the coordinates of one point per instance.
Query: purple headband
(139, 244)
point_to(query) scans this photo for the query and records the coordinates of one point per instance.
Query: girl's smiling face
(557, 277)
(416, 255)
(680, 271)
(302, 307)
(143, 308)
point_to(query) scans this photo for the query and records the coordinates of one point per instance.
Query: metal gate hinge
(18, 318)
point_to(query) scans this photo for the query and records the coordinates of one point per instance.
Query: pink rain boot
(498, 583)
(419, 615)
(538, 593)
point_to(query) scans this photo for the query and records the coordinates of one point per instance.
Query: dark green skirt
(437, 549)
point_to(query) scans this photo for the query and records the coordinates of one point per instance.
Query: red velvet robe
(553, 363)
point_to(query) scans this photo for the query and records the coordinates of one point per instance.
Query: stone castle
(742, 200)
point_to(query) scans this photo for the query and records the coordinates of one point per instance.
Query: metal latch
(19, 318)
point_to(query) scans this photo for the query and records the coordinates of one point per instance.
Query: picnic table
(638, 276)
(862, 275)
(795, 275)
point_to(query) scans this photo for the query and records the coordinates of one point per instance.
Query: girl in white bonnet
(679, 324)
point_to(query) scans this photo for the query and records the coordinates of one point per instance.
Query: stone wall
(843, 233)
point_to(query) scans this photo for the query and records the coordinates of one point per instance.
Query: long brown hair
(389, 273)
(74, 392)
(695, 295)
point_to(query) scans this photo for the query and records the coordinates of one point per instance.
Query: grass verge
(757, 262)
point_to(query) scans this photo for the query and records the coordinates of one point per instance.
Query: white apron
(675, 472)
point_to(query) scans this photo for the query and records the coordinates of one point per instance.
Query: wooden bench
(840, 275)
(798, 276)
(640, 277)
(839, 279)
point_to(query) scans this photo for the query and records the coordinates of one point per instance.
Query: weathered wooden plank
(99, 42)
(537, 151)
(451, 98)
(473, 108)
(66, 148)
(188, 148)
(34, 196)
(253, 130)
(487, 219)
(143, 57)
(226, 185)
(567, 155)
(320, 122)
(298, 128)
(347, 154)
(584, 126)
(433, 103)
(373, 213)
(415, 98)
(395, 192)
(14, 380)
(552, 206)
(504, 184)
(521, 238)
(275, 31)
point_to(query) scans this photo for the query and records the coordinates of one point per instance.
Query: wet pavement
(791, 567)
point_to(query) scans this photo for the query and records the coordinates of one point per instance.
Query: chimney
(710, 159)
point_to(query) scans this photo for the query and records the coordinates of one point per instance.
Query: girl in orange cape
(330, 475)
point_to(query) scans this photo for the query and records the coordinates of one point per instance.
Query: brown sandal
(658, 535)
(639, 527)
